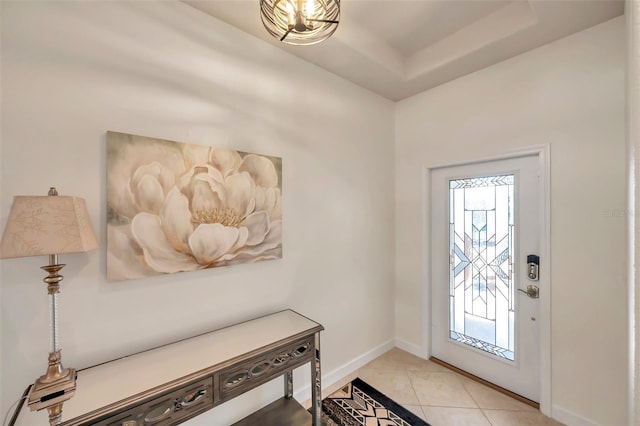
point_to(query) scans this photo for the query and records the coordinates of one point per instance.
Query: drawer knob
(190, 399)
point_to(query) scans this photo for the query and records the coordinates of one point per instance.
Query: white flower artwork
(175, 207)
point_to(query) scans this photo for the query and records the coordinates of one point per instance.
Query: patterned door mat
(359, 404)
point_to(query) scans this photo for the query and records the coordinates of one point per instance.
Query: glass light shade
(45, 225)
(300, 22)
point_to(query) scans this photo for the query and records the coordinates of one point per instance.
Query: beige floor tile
(449, 416)
(415, 409)
(440, 389)
(397, 359)
(486, 397)
(443, 397)
(427, 365)
(394, 384)
(519, 418)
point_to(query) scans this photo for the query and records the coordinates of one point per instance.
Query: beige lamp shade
(45, 225)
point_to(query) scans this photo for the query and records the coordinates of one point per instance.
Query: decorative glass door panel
(484, 221)
(481, 230)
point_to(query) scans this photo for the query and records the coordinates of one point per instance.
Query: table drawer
(171, 408)
(240, 378)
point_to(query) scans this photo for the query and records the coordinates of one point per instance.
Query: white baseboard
(337, 376)
(569, 418)
(409, 347)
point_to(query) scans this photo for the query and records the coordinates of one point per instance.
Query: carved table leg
(288, 384)
(316, 386)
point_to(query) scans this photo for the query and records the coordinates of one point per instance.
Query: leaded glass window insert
(481, 287)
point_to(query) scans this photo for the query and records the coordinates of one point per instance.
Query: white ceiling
(398, 48)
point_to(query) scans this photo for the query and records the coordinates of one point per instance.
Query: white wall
(73, 70)
(632, 12)
(571, 95)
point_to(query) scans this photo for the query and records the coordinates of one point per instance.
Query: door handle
(532, 291)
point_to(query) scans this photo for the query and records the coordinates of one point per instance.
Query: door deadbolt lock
(533, 267)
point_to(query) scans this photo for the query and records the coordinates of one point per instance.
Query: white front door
(484, 224)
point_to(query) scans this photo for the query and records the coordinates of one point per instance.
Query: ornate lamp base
(58, 384)
(54, 387)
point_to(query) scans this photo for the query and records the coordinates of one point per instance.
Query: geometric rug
(359, 404)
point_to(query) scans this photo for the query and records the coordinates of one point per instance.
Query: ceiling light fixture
(300, 22)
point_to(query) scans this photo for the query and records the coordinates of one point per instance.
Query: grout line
(472, 398)
(488, 384)
(424, 415)
(406, 371)
(444, 406)
(482, 411)
(485, 416)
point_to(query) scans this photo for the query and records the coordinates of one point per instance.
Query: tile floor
(443, 397)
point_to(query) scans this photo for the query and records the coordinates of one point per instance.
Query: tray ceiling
(399, 48)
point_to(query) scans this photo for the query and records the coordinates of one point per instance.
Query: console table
(172, 383)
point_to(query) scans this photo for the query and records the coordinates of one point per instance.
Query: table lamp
(40, 226)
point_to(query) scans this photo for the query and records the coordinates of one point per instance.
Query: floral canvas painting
(175, 207)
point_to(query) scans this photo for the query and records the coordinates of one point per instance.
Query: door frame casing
(543, 154)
